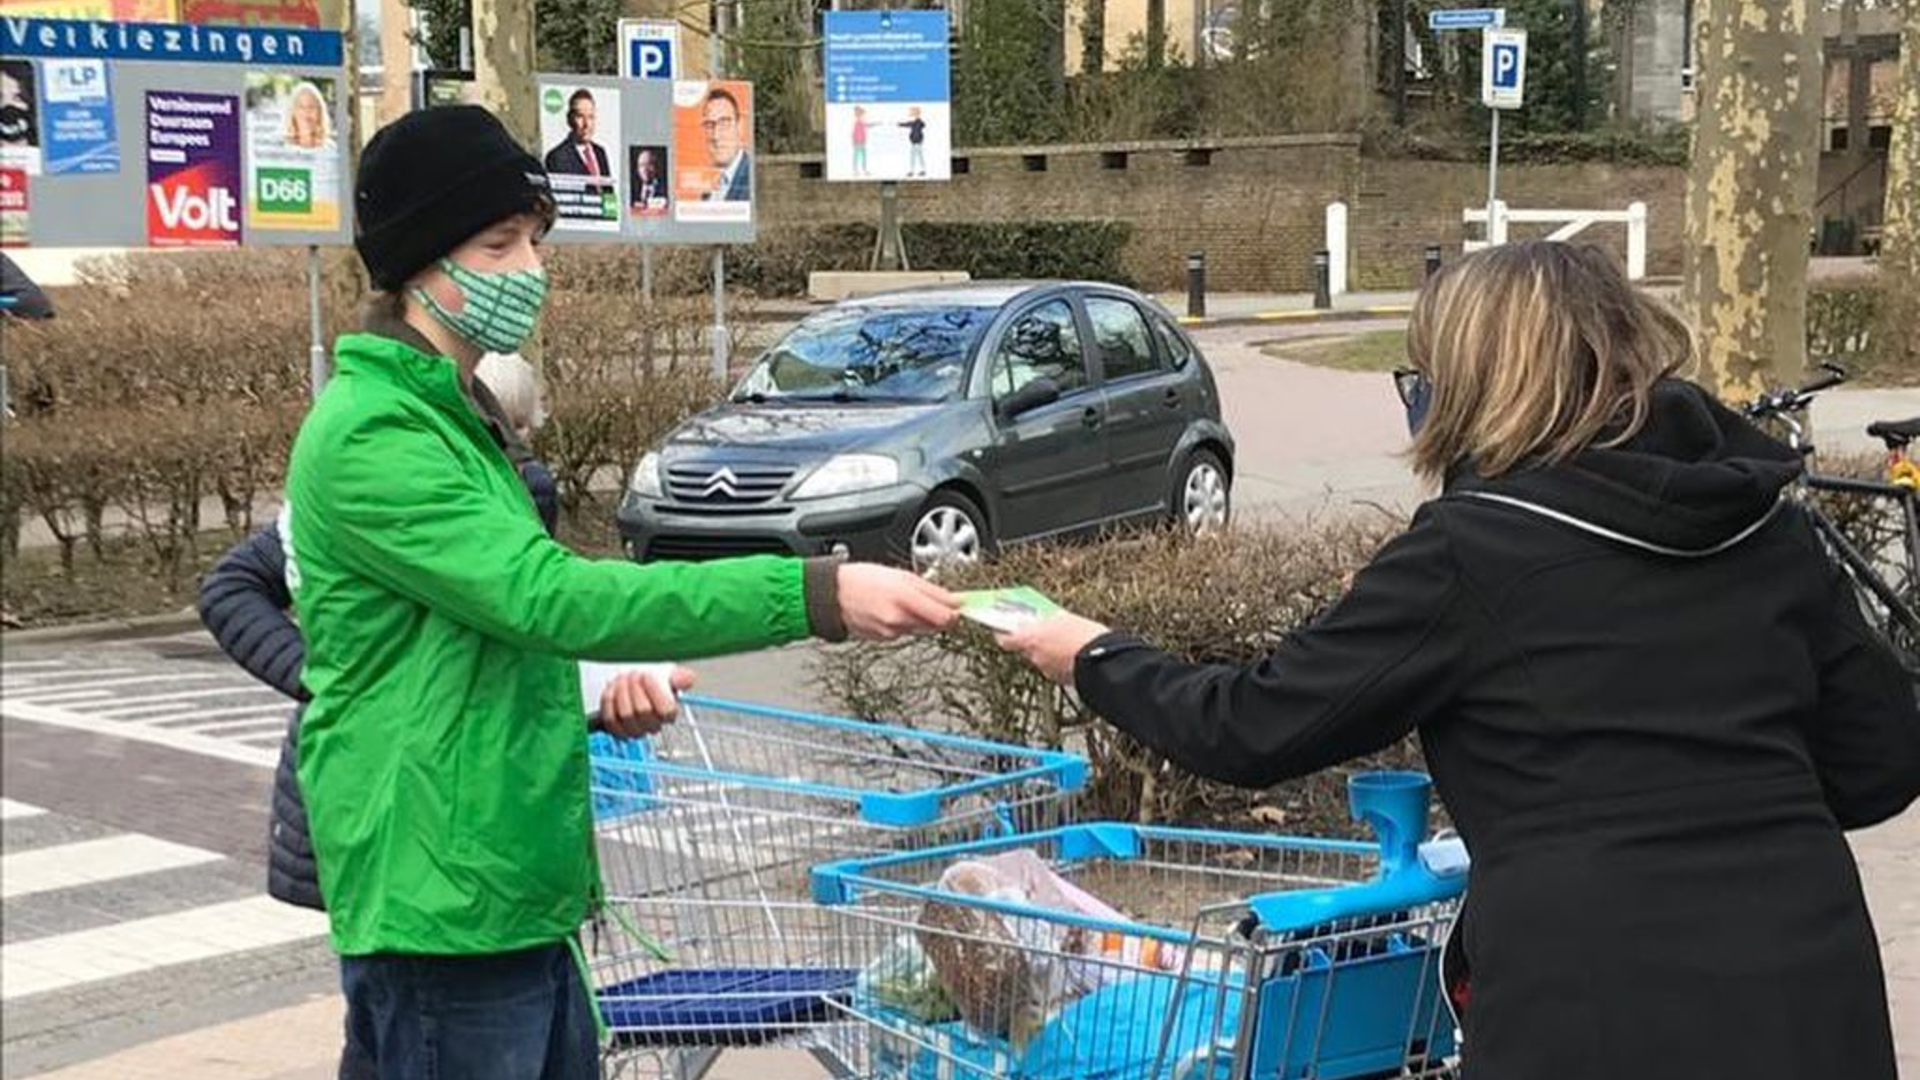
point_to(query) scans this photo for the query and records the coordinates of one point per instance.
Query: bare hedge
(171, 383)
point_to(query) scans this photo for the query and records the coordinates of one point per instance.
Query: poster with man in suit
(586, 185)
(713, 151)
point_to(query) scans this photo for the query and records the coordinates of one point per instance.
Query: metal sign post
(1490, 22)
(1503, 75)
(317, 349)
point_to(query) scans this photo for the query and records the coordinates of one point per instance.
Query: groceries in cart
(985, 958)
(1238, 955)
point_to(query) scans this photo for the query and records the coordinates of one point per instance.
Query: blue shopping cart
(707, 834)
(1276, 958)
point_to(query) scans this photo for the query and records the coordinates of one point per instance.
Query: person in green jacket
(444, 755)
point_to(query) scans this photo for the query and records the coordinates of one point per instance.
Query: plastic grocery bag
(904, 980)
(1007, 973)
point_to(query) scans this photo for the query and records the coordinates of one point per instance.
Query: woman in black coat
(1645, 694)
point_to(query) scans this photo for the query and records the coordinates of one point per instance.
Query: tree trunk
(396, 59)
(1156, 33)
(1750, 190)
(343, 278)
(503, 60)
(1899, 333)
(1093, 38)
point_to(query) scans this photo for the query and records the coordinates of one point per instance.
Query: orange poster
(713, 151)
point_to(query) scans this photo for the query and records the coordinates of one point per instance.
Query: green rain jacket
(444, 756)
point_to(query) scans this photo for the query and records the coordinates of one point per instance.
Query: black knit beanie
(430, 181)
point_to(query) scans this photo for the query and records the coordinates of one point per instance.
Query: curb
(1385, 311)
(143, 626)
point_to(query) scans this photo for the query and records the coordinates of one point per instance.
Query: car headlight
(646, 477)
(849, 473)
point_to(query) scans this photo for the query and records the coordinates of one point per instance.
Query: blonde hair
(516, 386)
(1535, 351)
(291, 129)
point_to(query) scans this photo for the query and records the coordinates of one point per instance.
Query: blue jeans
(507, 1016)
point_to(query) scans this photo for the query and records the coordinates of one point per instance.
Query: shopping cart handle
(1411, 887)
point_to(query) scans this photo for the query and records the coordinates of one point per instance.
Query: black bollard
(1322, 281)
(1197, 285)
(1433, 261)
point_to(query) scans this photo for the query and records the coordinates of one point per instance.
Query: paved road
(137, 942)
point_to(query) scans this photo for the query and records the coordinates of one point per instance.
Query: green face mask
(498, 310)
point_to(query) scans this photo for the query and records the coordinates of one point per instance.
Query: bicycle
(1892, 608)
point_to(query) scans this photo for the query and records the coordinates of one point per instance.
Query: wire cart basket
(707, 833)
(1245, 956)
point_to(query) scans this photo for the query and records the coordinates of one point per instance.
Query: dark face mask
(1416, 393)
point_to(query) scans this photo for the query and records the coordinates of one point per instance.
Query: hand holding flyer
(1007, 610)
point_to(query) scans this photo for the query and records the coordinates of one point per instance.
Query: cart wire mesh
(707, 832)
(1237, 956)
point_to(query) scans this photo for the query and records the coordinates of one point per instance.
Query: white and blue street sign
(86, 40)
(1467, 19)
(887, 58)
(649, 49)
(1503, 69)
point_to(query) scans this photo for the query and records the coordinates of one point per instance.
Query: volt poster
(193, 169)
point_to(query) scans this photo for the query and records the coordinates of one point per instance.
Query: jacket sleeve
(1865, 737)
(1383, 659)
(396, 505)
(244, 602)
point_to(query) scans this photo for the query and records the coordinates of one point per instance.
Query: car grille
(736, 485)
(686, 547)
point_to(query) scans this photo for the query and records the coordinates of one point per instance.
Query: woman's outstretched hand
(1052, 645)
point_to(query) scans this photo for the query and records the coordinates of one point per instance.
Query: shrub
(778, 264)
(1223, 599)
(1852, 323)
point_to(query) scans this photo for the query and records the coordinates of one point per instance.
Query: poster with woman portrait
(294, 176)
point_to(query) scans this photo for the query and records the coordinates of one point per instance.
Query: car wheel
(948, 530)
(1202, 494)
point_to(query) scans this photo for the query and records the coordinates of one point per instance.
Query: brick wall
(1255, 206)
(1406, 205)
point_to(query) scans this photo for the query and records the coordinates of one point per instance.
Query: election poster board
(678, 159)
(889, 96)
(174, 135)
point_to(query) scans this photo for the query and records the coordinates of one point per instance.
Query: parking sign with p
(1503, 68)
(648, 48)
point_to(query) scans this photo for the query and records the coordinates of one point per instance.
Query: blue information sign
(887, 57)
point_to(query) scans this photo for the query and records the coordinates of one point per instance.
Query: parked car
(933, 425)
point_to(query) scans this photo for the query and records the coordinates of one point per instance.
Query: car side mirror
(1032, 396)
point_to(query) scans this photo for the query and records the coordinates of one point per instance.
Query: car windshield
(866, 353)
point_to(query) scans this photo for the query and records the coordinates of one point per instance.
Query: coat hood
(1695, 480)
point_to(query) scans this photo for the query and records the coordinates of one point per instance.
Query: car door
(1045, 465)
(1146, 404)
